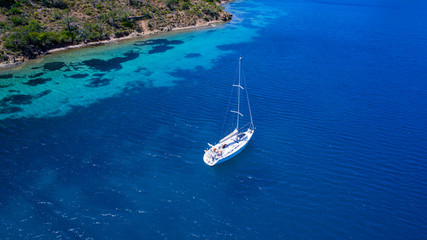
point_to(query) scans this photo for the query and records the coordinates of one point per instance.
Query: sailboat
(234, 142)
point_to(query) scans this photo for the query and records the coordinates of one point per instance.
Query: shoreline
(133, 35)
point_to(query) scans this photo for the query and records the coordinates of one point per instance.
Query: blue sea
(107, 142)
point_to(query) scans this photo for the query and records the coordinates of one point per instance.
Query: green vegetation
(29, 28)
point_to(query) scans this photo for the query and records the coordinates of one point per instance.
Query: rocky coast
(31, 29)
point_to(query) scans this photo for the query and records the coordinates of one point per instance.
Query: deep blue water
(107, 142)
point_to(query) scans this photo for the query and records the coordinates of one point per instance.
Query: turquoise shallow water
(82, 77)
(107, 142)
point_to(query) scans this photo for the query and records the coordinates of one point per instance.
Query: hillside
(29, 28)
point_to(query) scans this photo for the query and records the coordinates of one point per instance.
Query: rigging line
(247, 97)
(238, 93)
(222, 133)
(243, 127)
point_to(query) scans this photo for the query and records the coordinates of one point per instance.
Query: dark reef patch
(38, 81)
(6, 109)
(42, 94)
(191, 74)
(12, 90)
(101, 64)
(54, 66)
(75, 66)
(99, 74)
(98, 82)
(5, 86)
(159, 45)
(6, 76)
(159, 49)
(227, 47)
(154, 42)
(36, 75)
(144, 71)
(78, 75)
(111, 64)
(193, 55)
(17, 99)
(174, 42)
(140, 69)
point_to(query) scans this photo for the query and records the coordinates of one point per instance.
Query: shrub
(128, 23)
(91, 32)
(15, 11)
(47, 40)
(171, 4)
(18, 21)
(57, 15)
(146, 14)
(210, 12)
(3, 25)
(67, 36)
(185, 6)
(121, 33)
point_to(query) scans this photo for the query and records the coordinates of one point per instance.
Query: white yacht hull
(228, 148)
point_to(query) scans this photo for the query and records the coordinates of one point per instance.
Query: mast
(238, 96)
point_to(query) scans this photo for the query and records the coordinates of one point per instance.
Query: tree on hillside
(68, 21)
